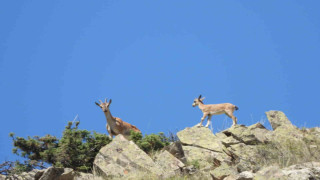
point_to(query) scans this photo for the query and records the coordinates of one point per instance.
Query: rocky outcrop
(242, 152)
(238, 153)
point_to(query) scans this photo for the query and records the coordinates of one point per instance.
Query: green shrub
(149, 143)
(76, 149)
(195, 163)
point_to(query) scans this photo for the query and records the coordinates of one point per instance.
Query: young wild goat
(215, 109)
(115, 125)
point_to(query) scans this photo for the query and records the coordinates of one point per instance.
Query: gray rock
(124, 159)
(175, 148)
(246, 175)
(204, 157)
(277, 119)
(271, 172)
(251, 135)
(2, 177)
(84, 176)
(171, 165)
(200, 137)
(35, 174)
(223, 171)
(53, 173)
(305, 171)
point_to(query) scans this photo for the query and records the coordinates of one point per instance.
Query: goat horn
(100, 101)
(105, 100)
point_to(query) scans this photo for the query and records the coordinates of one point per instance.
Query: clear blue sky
(153, 58)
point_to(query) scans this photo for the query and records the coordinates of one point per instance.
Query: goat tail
(236, 107)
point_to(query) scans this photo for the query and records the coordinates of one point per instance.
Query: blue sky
(153, 58)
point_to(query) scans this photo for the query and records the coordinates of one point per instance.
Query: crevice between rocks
(192, 145)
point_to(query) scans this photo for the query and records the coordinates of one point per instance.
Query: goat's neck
(201, 106)
(110, 119)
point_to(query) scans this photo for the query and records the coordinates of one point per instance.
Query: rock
(205, 157)
(124, 159)
(305, 171)
(246, 156)
(53, 173)
(85, 176)
(189, 170)
(175, 148)
(228, 141)
(315, 131)
(35, 174)
(251, 135)
(287, 138)
(38, 173)
(171, 165)
(200, 137)
(2, 177)
(223, 171)
(278, 119)
(271, 172)
(246, 175)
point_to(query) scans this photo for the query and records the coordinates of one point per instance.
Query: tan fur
(115, 125)
(215, 109)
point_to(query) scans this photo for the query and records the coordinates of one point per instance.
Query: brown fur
(115, 125)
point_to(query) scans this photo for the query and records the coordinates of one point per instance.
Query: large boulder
(200, 137)
(124, 159)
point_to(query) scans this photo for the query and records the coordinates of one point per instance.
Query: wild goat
(215, 109)
(115, 125)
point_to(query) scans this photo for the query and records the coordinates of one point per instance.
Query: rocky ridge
(237, 153)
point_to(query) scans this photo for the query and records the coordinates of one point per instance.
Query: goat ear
(110, 101)
(199, 96)
(97, 104)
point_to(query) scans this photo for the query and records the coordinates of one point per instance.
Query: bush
(76, 149)
(149, 143)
